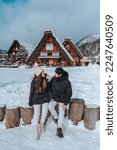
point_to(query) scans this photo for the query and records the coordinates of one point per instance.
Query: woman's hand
(64, 107)
(43, 74)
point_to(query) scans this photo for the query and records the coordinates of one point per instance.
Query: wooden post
(91, 114)
(2, 112)
(76, 110)
(26, 114)
(12, 117)
(98, 113)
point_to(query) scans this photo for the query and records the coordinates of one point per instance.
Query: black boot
(59, 133)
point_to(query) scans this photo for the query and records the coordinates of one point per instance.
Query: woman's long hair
(41, 84)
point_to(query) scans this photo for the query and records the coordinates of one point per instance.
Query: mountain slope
(90, 46)
(2, 51)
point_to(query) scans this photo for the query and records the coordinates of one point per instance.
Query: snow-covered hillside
(88, 39)
(14, 90)
(2, 51)
(90, 47)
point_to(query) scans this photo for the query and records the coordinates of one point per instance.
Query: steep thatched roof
(26, 45)
(68, 41)
(39, 46)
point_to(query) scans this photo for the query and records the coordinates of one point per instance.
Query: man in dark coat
(60, 93)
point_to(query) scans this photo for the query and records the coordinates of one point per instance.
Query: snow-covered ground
(14, 90)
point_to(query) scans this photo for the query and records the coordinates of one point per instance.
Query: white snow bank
(75, 137)
(15, 84)
(14, 90)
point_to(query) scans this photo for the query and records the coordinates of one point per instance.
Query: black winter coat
(60, 89)
(38, 98)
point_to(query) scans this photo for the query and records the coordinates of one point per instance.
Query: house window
(49, 46)
(43, 54)
(49, 53)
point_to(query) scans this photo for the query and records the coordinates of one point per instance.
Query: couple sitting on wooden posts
(48, 94)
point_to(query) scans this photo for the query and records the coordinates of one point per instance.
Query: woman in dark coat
(39, 95)
(60, 93)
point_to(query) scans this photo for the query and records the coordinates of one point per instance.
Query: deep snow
(14, 90)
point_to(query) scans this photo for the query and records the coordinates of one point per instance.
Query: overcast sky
(26, 20)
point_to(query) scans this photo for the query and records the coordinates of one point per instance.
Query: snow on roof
(33, 48)
(27, 46)
(60, 43)
(78, 50)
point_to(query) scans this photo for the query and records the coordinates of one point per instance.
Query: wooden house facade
(50, 51)
(17, 53)
(73, 51)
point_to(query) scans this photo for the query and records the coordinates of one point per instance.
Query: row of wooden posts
(77, 111)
